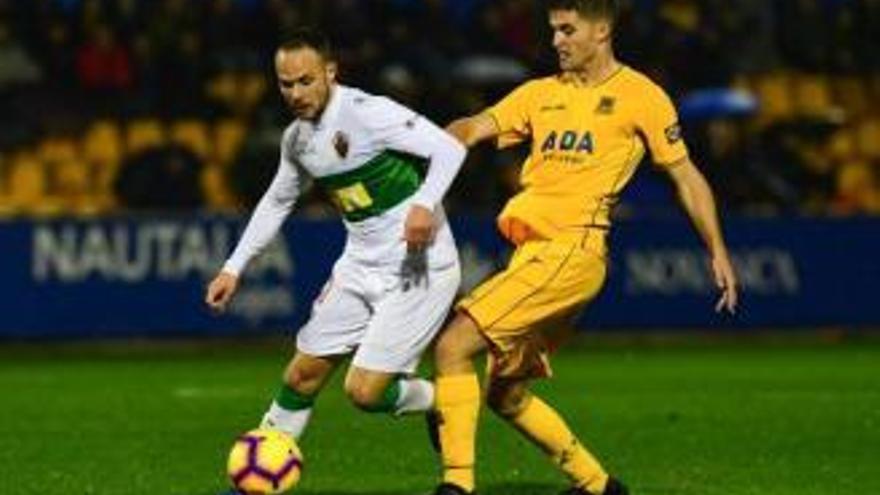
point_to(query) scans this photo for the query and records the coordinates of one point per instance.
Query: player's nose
(557, 40)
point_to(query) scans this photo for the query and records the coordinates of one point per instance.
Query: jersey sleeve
(393, 126)
(275, 205)
(512, 115)
(658, 123)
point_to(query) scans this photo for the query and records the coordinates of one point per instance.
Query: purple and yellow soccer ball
(264, 462)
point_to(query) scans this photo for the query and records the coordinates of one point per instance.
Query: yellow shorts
(526, 309)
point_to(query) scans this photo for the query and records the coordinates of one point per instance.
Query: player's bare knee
(304, 379)
(363, 396)
(446, 351)
(507, 399)
(458, 343)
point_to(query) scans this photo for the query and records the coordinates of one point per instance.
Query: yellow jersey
(586, 142)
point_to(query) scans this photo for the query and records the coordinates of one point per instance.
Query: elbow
(448, 153)
(281, 202)
(460, 130)
(451, 147)
(459, 152)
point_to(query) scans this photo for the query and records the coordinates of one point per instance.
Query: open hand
(418, 231)
(725, 280)
(220, 291)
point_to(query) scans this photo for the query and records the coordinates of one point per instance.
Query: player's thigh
(501, 295)
(544, 280)
(405, 322)
(457, 343)
(339, 317)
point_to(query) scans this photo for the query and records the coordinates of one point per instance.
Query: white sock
(291, 422)
(416, 396)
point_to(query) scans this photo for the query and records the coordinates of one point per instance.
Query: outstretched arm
(699, 203)
(471, 130)
(264, 224)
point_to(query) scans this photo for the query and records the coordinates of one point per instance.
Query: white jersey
(365, 150)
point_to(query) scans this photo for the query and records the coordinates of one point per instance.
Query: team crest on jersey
(606, 105)
(340, 144)
(673, 133)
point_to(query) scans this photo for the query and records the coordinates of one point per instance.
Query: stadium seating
(192, 134)
(102, 144)
(143, 133)
(812, 95)
(857, 188)
(216, 189)
(228, 135)
(788, 83)
(851, 93)
(774, 94)
(868, 139)
(28, 185)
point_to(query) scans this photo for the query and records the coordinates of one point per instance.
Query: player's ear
(330, 69)
(603, 30)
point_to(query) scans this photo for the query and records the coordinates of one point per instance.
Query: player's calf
(304, 378)
(385, 393)
(289, 412)
(507, 398)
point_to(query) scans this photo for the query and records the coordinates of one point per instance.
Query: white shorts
(375, 313)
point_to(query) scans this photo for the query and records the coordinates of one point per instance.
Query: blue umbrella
(715, 103)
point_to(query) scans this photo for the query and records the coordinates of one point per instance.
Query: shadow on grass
(522, 489)
(492, 489)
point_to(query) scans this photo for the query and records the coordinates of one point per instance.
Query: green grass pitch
(720, 419)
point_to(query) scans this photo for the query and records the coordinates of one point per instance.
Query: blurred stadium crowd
(115, 105)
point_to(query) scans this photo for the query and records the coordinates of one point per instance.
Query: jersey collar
(332, 109)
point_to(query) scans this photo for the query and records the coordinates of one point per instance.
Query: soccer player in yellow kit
(589, 127)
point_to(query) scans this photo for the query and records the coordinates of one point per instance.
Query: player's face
(577, 39)
(304, 79)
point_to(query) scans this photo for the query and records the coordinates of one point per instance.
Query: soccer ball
(264, 462)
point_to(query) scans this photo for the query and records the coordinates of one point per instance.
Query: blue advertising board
(793, 272)
(145, 276)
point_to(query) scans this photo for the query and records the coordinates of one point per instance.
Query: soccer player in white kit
(390, 290)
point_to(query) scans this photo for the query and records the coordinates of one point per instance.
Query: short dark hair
(308, 38)
(589, 9)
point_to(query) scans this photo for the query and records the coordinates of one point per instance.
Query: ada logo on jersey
(568, 141)
(340, 144)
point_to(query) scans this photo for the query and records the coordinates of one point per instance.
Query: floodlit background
(135, 136)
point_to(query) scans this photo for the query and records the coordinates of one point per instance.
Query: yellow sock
(544, 427)
(458, 402)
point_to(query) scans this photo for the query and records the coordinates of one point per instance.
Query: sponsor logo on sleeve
(673, 133)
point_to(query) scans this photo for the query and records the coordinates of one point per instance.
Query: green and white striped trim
(376, 186)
